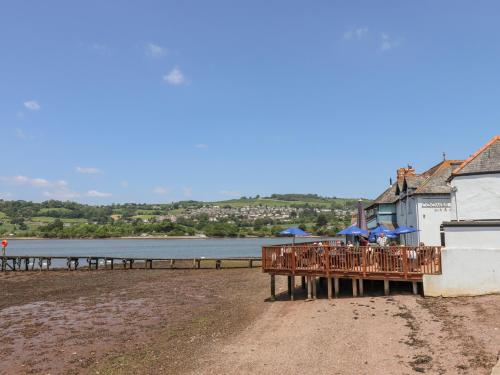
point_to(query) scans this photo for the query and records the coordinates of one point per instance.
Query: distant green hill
(295, 200)
(75, 220)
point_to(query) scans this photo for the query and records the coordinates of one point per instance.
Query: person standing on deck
(4, 247)
(382, 240)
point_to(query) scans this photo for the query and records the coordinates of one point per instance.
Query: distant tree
(322, 220)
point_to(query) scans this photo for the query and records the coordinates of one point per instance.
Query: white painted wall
(465, 272)
(426, 213)
(432, 211)
(472, 237)
(477, 197)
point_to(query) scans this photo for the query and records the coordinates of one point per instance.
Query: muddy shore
(208, 321)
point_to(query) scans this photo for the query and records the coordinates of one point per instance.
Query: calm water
(145, 248)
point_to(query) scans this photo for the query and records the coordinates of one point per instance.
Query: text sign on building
(437, 206)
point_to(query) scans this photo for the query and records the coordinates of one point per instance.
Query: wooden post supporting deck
(354, 287)
(314, 286)
(336, 286)
(361, 288)
(415, 287)
(273, 288)
(386, 287)
(309, 287)
(289, 285)
(303, 282)
(292, 290)
(329, 286)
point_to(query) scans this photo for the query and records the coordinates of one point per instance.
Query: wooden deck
(313, 260)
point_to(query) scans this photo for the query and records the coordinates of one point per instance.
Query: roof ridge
(438, 167)
(476, 154)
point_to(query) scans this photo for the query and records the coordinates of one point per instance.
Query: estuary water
(189, 248)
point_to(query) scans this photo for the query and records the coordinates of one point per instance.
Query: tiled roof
(486, 159)
(413, 182)
(437, 176)
(388, 196)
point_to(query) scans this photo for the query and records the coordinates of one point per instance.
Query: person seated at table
(363, 241)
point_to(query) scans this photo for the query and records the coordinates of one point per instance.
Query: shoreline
(155, 238)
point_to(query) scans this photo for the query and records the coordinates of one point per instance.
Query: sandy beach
(219, 322)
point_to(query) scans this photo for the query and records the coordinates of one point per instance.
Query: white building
(471, 258)
(425, 202)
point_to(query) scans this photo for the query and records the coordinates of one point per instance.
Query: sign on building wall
(437, 206)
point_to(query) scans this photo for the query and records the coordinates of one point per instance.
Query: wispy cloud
(6, 195)
(356, 33)
(97, 194)
(21, 134)
(161, 190)
(101, 48)
(389, 42)
(187, 192)
(155, 51)
(34, 182)
(175, 77)
(61, 194)
(124, 184)
(88, 170)
(230, 193)
(201, 145)
(32, 105)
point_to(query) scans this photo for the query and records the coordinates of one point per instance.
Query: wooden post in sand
(361, 287)
(314, 286)
(292, 289)
(415, 287)
(273, 287)
(354, 287)
(329, 286)
(336, 286)
(309, 287)
(386, 287)
(289, 285)
(303, 282)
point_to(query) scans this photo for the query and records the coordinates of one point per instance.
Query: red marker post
(4, 247)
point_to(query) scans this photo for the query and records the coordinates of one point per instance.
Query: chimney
(402, 172)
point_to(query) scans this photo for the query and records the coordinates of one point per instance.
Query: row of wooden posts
(333, 286)
(30, 263)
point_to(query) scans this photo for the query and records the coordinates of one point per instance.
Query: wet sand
(219, 322)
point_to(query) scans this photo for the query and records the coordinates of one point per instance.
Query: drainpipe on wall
(454, 191)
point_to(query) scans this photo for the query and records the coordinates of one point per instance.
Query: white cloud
(21, 134)
(356, 34)
(32, 105)
(103, 49)
(6, 195)
(388, 42)
(62, 194)
(175, 77)
(231, 193)
(201, 145)
(97, 194)
(161, 190)
(155, 50)
(34, 182)
(40, 182)
(188, 192)
(88, 170)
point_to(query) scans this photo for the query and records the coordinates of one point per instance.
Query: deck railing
(405, 262)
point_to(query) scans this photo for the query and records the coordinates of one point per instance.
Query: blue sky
(158, 101)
